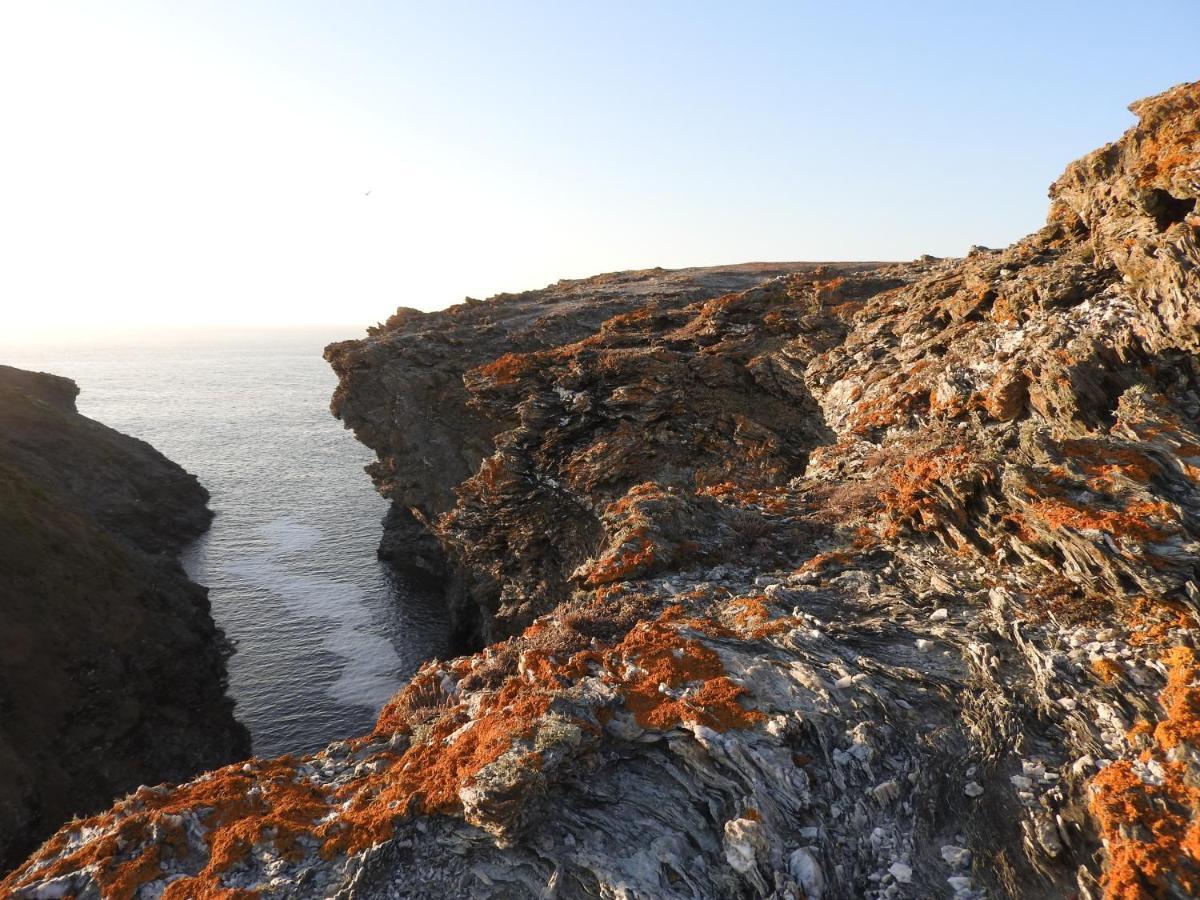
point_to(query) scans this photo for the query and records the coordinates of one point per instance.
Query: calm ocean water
(323, 635)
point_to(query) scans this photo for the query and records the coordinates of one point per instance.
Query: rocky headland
(112, 673)
(826, 581)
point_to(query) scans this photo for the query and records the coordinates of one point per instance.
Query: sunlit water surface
(323, 634)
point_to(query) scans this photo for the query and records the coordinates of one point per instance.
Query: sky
(292, 163)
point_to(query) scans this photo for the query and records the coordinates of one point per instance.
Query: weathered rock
(112, 673)
(870, 581)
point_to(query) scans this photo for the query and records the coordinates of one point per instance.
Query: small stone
(1082, 764)
(956, 857)
(923, 644)
(885, 793)
(901, 872)
(941, 614)
(806, 870)
(973, 789)
(1021, 782)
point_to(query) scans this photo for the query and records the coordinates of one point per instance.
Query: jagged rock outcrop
(403, 392)
(861, 582)
(112, 673)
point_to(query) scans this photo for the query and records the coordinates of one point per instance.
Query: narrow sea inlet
(324, 634)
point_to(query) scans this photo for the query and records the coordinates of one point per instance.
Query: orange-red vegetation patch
(428, 777)
(664, 678)
(1107, 670)
(916, 498)
(752, 618)
(1180, 700)
(888, 406)
(779, 501)
(1151, 829)
(1149, 832)
(830, 558)
(1102, 463)
(420, 699)
(1151, 622)
(507, 369)
(1134, 521)
(1161, 153)
(697, 690)
(635, 556)
(239, 808)
(1067, 602)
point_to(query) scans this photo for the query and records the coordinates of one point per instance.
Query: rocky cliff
(857, 581)
(111, 670)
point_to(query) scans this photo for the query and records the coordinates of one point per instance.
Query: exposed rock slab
(861, 582)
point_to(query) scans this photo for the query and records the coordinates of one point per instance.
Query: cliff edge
(857, 581)
(112, 673)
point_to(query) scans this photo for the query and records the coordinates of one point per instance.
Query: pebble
(885, 793)
(807, 871)
(956, 857)
(901, 872)
(973, 789)
(941, 614)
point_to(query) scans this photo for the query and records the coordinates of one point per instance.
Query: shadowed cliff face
(111, 670)
(860, 581)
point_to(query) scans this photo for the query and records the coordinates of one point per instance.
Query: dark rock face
(861, 581)
(112, 673)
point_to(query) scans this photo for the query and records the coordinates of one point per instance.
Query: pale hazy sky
(206, 162)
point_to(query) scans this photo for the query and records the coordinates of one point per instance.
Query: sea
(324, 633)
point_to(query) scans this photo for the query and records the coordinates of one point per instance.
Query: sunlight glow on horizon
(166, 167)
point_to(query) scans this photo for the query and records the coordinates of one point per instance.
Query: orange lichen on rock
(886, 407)
(430, 775)
(1152, 622)
(778, 501)
(1149, 832)
(1131, 522)
(916, 497)
(1107, 670)
(636, 555)
(752, 618)
(1103, 463)
(668, 680)
(1151, 825)
(830, 557)
(240, 806)
(1180, 700)
(507, 369)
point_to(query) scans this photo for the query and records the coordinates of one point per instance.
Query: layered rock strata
(112, 673)
(866, 581)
